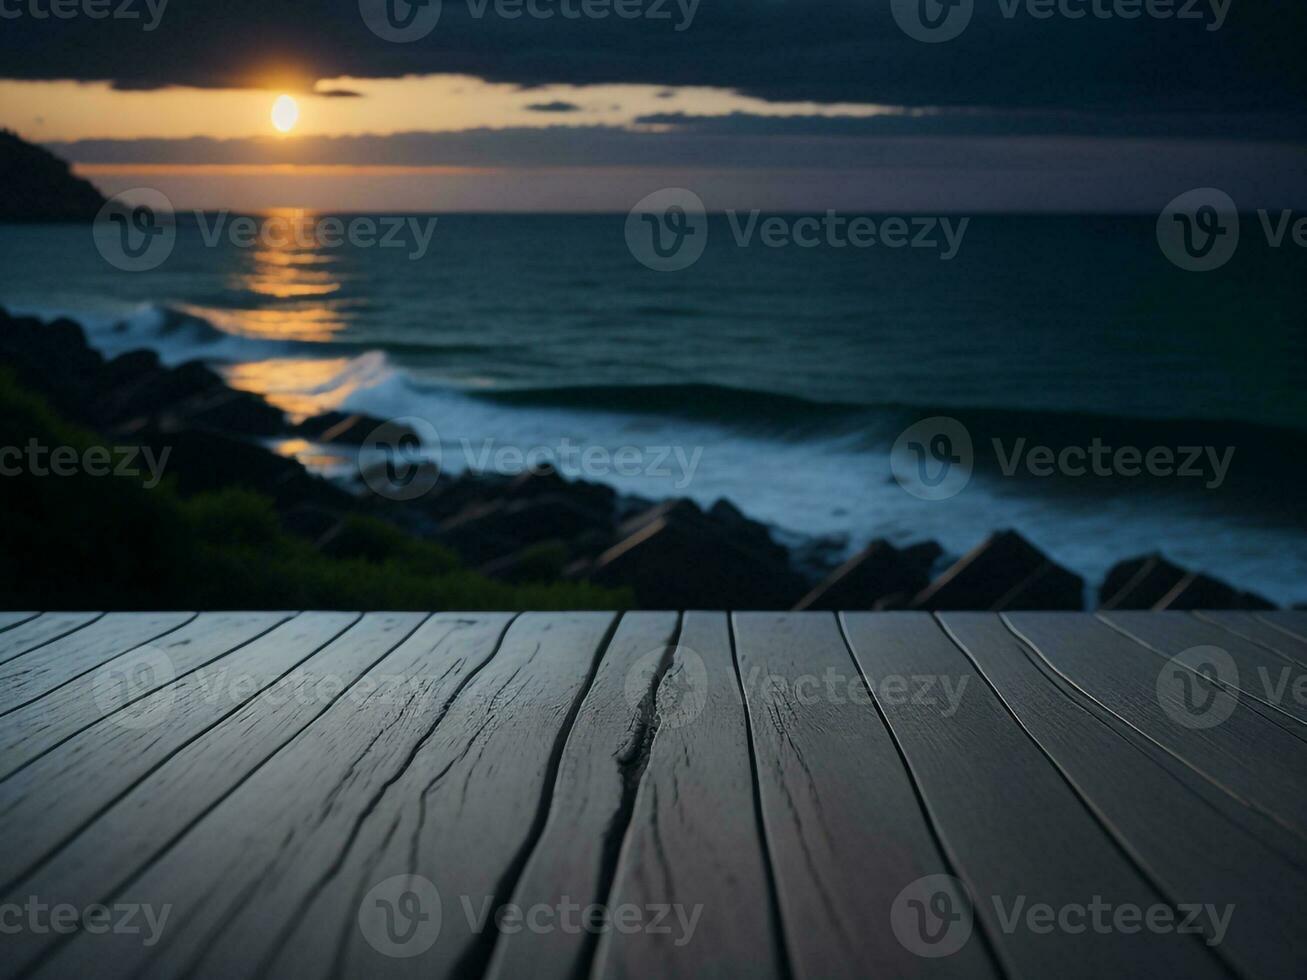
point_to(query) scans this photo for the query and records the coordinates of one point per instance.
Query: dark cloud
(554, 107)
(821, 50)
(936, 121)
(338, 93)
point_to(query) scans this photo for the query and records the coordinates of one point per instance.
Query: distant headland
(35, 185)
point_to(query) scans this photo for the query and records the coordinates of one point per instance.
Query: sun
(285, 113)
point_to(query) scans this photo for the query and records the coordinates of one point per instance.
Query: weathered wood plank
(603, 759)
(34, 633)
(1274, 685)
(39, 672)
(1289, 620)
(46, 803)
(1252, 627)
(35, 728)
(1254, 759)
(694, 846)
(143, 822)
(1178, 826)
(1017, 833)
(846, 834)
(8, 620)
(449, 788)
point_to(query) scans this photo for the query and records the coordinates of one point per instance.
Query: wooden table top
(562, 795)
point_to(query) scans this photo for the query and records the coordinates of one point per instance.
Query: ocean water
(778, 378)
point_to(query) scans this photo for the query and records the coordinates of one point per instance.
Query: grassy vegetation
(106, 542)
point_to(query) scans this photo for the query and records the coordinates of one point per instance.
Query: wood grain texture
(1289, 621)
(34, 729)
(1253, 759)
(45, 803)
(41, 671)
(597, 775)
(1015, 830)
(1211, 854)
(694, 846)
(1252, 627)
(255, 853)
(8, 620)
(844, 827)
(149, 818)
(34, 633)
(1275, 685)
(445, 782)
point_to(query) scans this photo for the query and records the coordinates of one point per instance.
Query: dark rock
(1152, 582)
(35, 185)
(487, 531)
(546, 481)
(54, 360)
(680, 564)
(747, 531)
(678, 509)
(200, 462)
(1004, 572)
(1198, 591)
(1139, 583)
(347, 429)
(878, 571)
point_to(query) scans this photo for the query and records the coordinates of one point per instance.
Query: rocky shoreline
(539, 527)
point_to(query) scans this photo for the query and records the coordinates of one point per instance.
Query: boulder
(1139, 583)
(875, 573)
(345, 429)
(1151, 582)
(1005, 572)
(671, 563)
(753, 534)
(1198, 591)
(201, 461)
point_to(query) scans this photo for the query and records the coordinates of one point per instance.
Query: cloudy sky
(544, 104)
